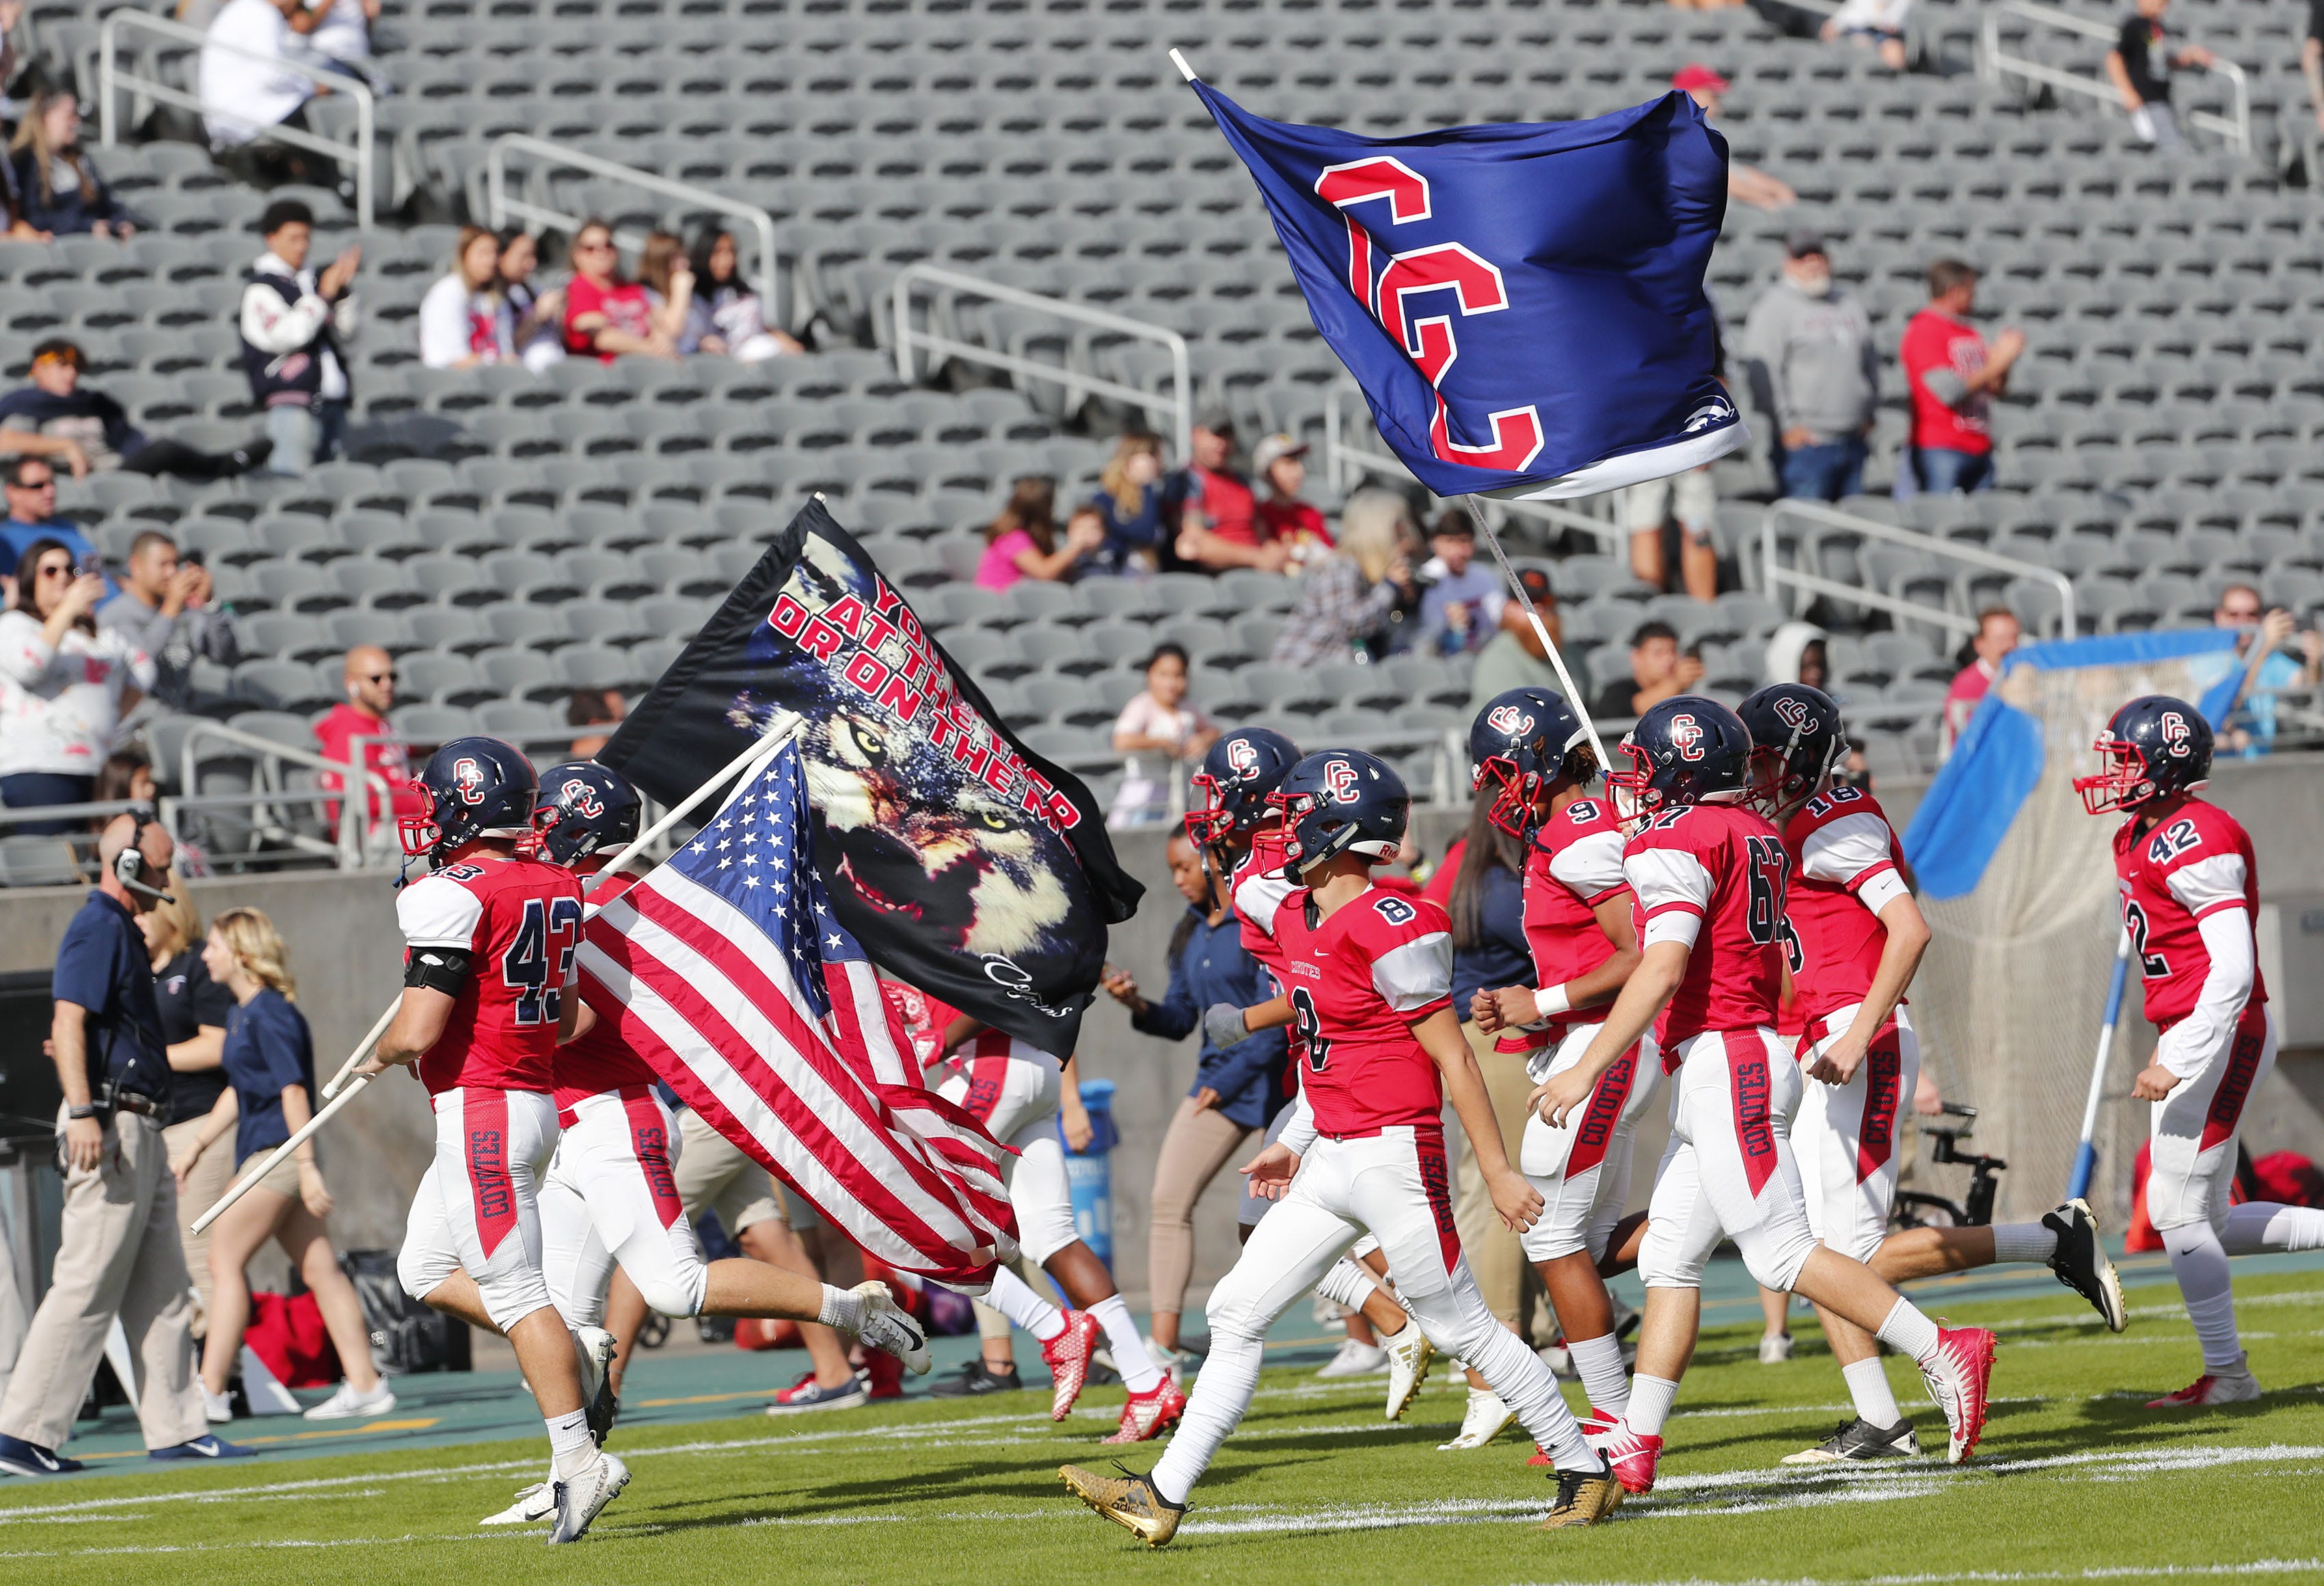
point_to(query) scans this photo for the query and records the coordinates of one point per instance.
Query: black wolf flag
(962, 861)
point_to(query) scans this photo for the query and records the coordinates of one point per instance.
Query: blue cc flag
(1522, 305)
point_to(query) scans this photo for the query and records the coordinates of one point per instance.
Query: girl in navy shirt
(270, 1071)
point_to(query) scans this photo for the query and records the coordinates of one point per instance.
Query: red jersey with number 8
(2196, 861)
(1358, 982)
(518, 920)
(1712, 875)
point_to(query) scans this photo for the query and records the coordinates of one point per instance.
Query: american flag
(725, 970)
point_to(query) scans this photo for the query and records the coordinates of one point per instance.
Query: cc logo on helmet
(468, 780)
(581, 798)
(1242, 758)
(2177, 740)
(1510, 722)
(1793, 713)
(1340, 780)
(1686, 737)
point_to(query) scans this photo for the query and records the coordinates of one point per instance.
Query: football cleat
(1482, 1422)
(1408, 1354)
(887, 1325)
(1068, 1356)
(1146, 1414)
(976, 1379)
(2213, 1387)
(593, 1351)
(1958, 1379)
(1584, 1497)
(533, 1505)
(806, 1393)
(1128, 1500)
(1632, 1454)
(580, 1500)
(2081, 1263)
(1355, 1358)
(1860, 1440)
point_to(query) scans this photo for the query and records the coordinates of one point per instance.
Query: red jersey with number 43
(1575, 864)
(519, 921)
(599, 1060)
(2197, 861)
(1712, 875)
(1846, 868)
(1358, 981)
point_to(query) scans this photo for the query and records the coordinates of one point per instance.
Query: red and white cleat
(1958, 1379)
(1595, 1424)
(1146, 1414)
(2223, 1387)
(1068, 1355)
(1632, 1454)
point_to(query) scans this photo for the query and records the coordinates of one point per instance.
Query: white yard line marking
(2265, 1566)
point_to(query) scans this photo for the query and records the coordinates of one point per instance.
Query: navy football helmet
(1687, 750)
(1522, 741)
(1796, 741)
(1238, 774)
(583, 809)
(1340, 801)
(2153, 747)
(474, 787)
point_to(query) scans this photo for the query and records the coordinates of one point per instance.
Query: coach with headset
(119, 1254)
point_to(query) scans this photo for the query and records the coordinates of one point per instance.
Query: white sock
(841, 1309)
(570, 1451)
(1127, 1344)
(1025, 1306)
(1524, 1383)
(1599, 1360)
(2022, 1242)
(2201, 1264)
(1908, 1332)
(1347, 1283)
(1221, 1394)
(2264, 1225)
(1867, 1385)
(1651, 1398)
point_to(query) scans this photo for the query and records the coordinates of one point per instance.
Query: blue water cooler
(1090, 1174)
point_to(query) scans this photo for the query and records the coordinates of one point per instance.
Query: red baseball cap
(1698, 75)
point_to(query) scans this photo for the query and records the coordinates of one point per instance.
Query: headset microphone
(129, 868)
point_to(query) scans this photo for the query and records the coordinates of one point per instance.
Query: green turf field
(2075, 1481)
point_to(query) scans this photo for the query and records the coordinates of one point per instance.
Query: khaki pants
(212, 1173)
(1196, 1145)
(12, 1310)
(117, 1254)
(1494, 1257)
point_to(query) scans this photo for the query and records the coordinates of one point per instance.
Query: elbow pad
(437, 969)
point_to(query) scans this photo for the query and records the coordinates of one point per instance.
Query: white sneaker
(533, 1505)
(348, 1405)
(1328, 1313)
(1355, 1358)
(581, 1500)
(888, 1326)
(1408, 1354)
(1774, 1348)
(1173, 1362)
(217, 1407)
(1482, 1422)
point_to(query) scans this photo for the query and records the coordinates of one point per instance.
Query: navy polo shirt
(268, 1050)
(1215, 966)
(1502, 956)
(188, 1000)
(103, 967)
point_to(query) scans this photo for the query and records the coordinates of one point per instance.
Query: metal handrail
(1993, 64)
(1179, 406)
(349, 848)
(770, 261)
(110, 77)
(1772, 573)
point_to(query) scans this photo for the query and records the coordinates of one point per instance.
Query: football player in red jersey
(1530, 746)
(2189, 886)
(1855, 937)
(1709, 875)
(1371, 976)
(491, 934)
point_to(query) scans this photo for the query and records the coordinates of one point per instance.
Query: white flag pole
(1516, 592)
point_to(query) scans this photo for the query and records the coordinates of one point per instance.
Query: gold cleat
(1128, 1501)
(1583, 1498)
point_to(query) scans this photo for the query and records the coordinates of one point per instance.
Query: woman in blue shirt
(269, 1058)
(1130, 499)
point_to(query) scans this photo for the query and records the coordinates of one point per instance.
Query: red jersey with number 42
(599, 1060)
(519, 921)
(2195, 862)
(1846, 868)
(1712, 874)
(1358, 981)
(1575, 864)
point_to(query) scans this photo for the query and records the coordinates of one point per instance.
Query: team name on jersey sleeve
(1411, 949)
(1855, 850)
(438, 911)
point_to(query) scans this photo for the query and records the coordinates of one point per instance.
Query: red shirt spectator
(623, 304)
(1214, 508)
(1998, 634)
(1283, 518)
(1938, 345)
(370, 695)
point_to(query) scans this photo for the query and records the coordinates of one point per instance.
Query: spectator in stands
(29, 486)
(1460, 598)
(1159, 731)
(727, 317)
(126, 776)
(1998, 634)
(594, 707)
(1129, 503)
(606, 313)
(245, 89)
(2140, 65)
(537, 318)
(1514, 657)
(2312, 60)
(88, 432)
(370, 680)
(194, 1011)
(339, 31)
(268, 1058)
(58, 190)
(464, 319)
(1746, 184)
(64, 686)
(1022, 541)
(1283, 518)
(2267, 668)
(164, 609)
(1877, 25)
(1953, 377)
(1348, 600)
(667, 276)
(1658, 671)
(1810, 344)
(293, 325)
(1799, 653)
(1215, 509)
